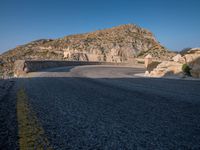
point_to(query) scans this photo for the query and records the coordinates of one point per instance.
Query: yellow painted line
(31, 133)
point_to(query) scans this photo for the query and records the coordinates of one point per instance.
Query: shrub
(186, 69)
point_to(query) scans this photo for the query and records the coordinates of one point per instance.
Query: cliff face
(117, 44)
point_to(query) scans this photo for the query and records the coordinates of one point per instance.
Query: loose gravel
(8, 119)
(116, 113)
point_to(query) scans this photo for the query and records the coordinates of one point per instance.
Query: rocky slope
(190, 57)
(117, 44)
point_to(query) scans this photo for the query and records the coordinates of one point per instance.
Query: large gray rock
(167, 68)
(193, 60)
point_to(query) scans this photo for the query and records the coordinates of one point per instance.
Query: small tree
(186, 69)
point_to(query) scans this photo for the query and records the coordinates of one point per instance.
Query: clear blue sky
(175, 23)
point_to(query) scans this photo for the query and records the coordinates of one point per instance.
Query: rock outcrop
(117, 44)
(179, 58)
(167, 68)
(191, 57)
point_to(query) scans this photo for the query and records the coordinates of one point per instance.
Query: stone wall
(22, 67)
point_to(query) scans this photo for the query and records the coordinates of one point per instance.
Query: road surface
(102, 107)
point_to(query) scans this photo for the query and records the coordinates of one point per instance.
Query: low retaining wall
(22, 67)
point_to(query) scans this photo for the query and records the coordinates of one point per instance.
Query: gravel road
(106, 107)
(8, 121)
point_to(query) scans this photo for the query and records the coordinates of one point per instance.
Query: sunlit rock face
(179, 58)
(174, 67)
(167, 68)
(192, 58)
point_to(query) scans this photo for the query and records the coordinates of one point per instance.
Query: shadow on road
(59, 69)
(112, 113)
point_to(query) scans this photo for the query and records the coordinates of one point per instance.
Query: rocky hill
(118, 44)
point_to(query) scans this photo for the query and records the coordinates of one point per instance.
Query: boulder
(179, 58)
(193, 60)
(167, 68)
(19, 68)
(152, 66)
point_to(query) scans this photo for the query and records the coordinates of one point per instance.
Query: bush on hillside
(186, 69)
